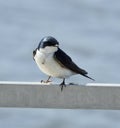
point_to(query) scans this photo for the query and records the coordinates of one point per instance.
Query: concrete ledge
(36, 95)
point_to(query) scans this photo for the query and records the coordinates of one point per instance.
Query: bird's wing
(63, 59)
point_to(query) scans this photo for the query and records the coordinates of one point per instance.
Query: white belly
(50, 66)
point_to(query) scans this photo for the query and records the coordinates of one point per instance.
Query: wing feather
(67, 62)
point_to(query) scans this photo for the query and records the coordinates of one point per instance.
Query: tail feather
(88, 77)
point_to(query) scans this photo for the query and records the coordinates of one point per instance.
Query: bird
(54, 62)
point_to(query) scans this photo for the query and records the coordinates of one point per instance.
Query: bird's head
(48, 45)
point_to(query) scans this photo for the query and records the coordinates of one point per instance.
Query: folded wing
(67, 62)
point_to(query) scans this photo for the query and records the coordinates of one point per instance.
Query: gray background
(88, 30)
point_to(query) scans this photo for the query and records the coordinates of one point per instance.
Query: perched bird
(54, 62)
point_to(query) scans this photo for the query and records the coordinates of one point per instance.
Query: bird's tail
(88, 77)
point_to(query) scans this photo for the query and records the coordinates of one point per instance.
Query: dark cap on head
(48, 41)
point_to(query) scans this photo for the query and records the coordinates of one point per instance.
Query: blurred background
(88, 30)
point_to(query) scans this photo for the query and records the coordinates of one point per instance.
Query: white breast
(50, 66)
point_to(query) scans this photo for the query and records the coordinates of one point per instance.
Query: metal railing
(37, 95)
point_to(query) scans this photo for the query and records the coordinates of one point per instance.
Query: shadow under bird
(54, 62)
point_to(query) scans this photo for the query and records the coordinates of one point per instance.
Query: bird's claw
(61, 86)
(47, 81)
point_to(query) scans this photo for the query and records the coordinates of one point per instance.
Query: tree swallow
(54, 62)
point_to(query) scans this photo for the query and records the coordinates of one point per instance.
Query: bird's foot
(62, 85)
(47, 81)
(71, 83)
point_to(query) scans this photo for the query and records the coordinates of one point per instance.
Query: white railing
(36, 95)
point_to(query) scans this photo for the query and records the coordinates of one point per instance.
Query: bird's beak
(56, 45)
